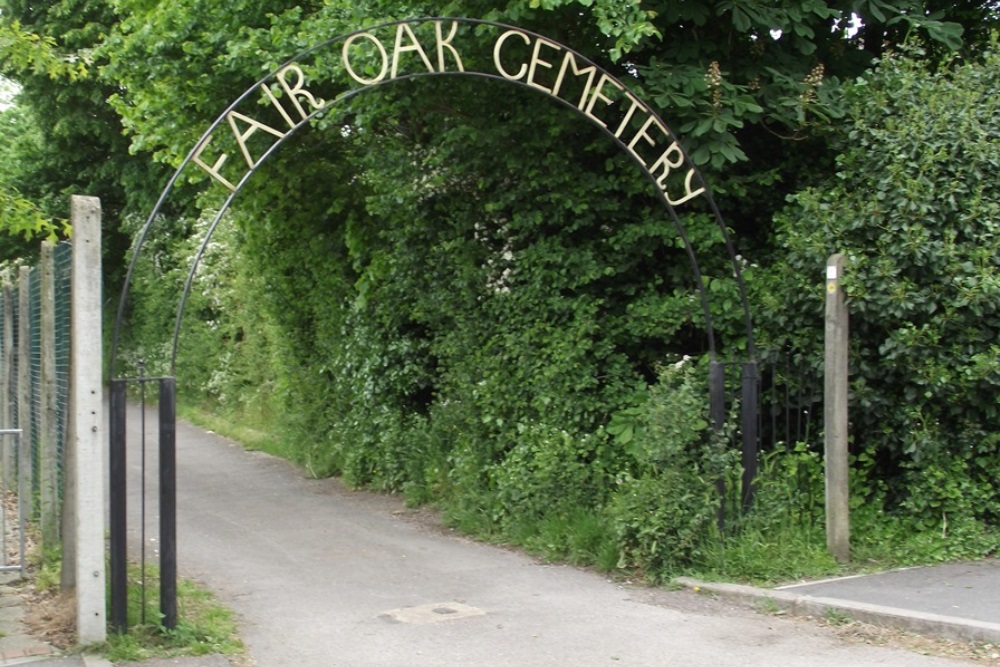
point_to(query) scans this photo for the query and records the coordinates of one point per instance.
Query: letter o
(347, 60)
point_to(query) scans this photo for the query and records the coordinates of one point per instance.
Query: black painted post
(750, 408)
(168, 502)
(118, 508)
(717, 414)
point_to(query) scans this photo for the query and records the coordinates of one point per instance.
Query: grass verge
(250, 431)
(781, 540)
(204, 625)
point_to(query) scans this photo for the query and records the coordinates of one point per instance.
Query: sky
(7, 91)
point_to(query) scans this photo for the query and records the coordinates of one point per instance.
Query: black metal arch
(118, 519)
(154, 216)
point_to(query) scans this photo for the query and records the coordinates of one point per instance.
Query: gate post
(835, 416)
(168, 502)
(118, 507)
(717, 415)
(749, 410)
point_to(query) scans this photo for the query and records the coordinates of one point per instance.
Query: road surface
(321, 576)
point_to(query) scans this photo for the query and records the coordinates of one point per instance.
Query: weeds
(204, 626)
(836, 617)
(770, 607)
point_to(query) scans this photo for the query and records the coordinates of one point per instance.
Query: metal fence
(777, 404)
(791, 397)
(34, 392)
(12, 520)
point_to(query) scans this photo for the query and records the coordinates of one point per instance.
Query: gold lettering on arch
(297, 90)
(414, 45)
(445, 43)
(347, 59)
(252, 127)
(215, 171)
(534, 61)
(496, 55)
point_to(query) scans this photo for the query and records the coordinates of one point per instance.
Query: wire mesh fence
(35, 382)
(12, 519)
(34, 390)
(63, 265)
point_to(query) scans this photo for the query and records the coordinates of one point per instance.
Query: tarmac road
(321, 576)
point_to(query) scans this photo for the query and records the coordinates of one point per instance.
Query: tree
(914, 206)
(21, 218)
(752, 88)
(24, 51)
(454, 265)
(76, 145)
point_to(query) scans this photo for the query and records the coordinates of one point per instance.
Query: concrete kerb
(935, 625)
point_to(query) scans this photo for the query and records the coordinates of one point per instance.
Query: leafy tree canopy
(22, 51)
(69, 139)
(750, 87)
(915, 208)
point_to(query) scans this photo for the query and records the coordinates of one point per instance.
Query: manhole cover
(431, 613)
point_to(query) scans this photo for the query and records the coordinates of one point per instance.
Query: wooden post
(48, 431)
(24, 466)
(87, 426)
(838, 527)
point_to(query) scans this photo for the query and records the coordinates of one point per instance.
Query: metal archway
(301, 91)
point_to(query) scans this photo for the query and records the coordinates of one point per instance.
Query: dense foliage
(457, 290)
(915, 208)
(64, 138)
(22, 221)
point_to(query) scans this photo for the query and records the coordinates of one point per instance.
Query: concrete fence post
(87, 430)
(48, 428)
(9, 463)
(835, 418)
(24, 463)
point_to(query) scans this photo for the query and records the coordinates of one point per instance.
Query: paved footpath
(321, 576)
(960, 591)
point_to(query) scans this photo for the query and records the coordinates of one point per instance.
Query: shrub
(915, 208)
(548, 472)
(666, 507)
